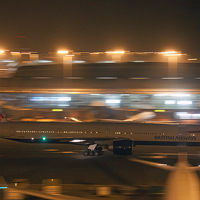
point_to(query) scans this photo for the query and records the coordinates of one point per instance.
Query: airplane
(183, 183)
(139, 117)
(96, 111)
(121, 137)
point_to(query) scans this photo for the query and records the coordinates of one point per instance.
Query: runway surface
(37, 162)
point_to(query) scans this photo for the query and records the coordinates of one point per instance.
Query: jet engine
(122, 147)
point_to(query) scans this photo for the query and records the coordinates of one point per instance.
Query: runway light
(62, 52)
(159, 110)
(170, 102)
(44, 139)
(184, 102)
(112, 101)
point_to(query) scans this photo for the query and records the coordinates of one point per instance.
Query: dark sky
(88, 25)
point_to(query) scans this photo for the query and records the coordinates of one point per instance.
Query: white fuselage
(138, 132)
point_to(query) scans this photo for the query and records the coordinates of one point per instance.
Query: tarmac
(37, 162)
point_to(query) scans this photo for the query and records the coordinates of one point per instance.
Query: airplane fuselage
(140, 133)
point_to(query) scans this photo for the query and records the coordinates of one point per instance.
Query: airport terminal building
(134, 86)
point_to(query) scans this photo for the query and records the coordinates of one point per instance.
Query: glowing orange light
(171, 53)
(115, 52)
(95, 53)
(2, 51)
(62, 52)
(192, 59)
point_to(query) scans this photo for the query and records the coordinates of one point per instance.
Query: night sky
(98, 25)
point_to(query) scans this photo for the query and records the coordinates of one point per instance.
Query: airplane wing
(140, 117)
(153, 164)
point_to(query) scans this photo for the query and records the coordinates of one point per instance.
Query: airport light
(15, 53)
(159, 111)
(57, 110)
(186, 115)
(2, 51)
(184, 102)
(172, 57)
(56, 99)
(44, 139)
(168, 52)
(106, 61)
(192, 59)
(172, 95)
(116, 52)
(170, 102)
(78, 61)
(42, 61)
(95, 53)
(171, 53)
(138, 61)
(63, 105)
(7, 61)
(77, 141)
(113, 101)
(62, 52)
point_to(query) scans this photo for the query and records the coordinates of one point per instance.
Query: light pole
(172, 59)
(116, 55)
(66, 60)
(2, 53)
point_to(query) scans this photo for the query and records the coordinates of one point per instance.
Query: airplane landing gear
(94, 150)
